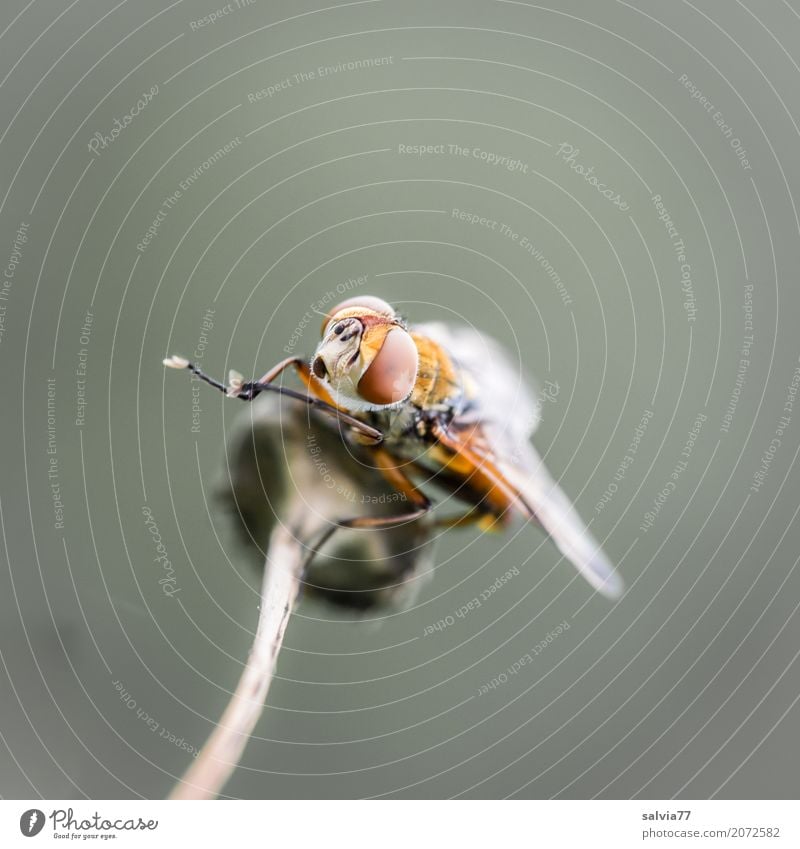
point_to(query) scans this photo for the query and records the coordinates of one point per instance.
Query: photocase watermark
(206, 326)
(536, 253)
(69, 827)
(548, 392)
(744, 360)
(10, 272)
(569, 155)
(320, 307)
(473, 604)
(525, 660)
(53, 469)
(80, 370)
(31, 822)
(329, 481)
(172, 200)
(785, 419)
(168, 582)
(476, 218)
(524, 242)
(487, 157)
(327, 478)
(164, 733)
(626, 462)
(680, 255)
(218, 14)
(102, 141)
(675, 475)
(719, 119)
(318, 73)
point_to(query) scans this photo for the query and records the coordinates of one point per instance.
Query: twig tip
(235, 383)
(176, 362)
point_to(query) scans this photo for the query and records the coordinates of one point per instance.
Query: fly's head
(366, 358)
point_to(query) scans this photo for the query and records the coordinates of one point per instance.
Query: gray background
(687, 686)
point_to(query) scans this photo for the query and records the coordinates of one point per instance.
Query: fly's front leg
(247, 390)
(238, 388)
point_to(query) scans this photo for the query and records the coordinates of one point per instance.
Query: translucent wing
(504, 405)
(557, 515)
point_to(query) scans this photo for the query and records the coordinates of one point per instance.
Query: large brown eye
(367, 301)
(390, 376)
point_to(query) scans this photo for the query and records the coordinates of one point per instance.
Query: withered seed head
(288, 464)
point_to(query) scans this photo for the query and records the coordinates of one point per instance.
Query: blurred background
(609, 189)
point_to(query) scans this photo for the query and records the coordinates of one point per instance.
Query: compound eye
(369, 302)
(391, 375)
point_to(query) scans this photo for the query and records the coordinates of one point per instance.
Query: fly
(433, 405)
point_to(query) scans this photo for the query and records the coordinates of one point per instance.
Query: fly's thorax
(440, 384)
(399, 425)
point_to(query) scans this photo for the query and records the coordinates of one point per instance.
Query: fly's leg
(304, 373)
(361, 522)
(485, 473)
(386, 464)
(246, 391)
(282, 366)
(485, 521)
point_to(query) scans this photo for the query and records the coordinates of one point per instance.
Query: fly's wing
(557, 515)
(504, 406)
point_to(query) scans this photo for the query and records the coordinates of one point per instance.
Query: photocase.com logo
(31, 822)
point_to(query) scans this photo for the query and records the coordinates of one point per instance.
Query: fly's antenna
(319, 312)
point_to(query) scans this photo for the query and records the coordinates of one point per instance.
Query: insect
(436, 407)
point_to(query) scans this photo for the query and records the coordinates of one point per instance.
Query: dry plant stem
(220, 755)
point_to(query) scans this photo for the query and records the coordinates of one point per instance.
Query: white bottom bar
(403, 824)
